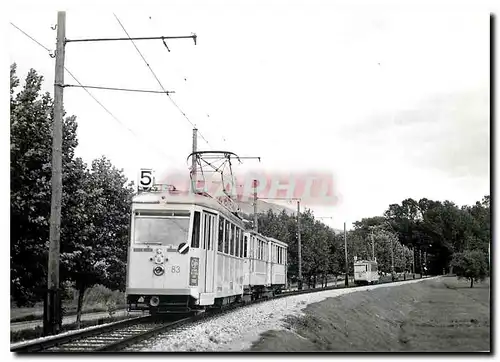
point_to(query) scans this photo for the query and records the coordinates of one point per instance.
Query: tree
(471, 265)
(97, 234)
(31, 117)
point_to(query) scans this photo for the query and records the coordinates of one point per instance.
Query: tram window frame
(208, 232)
(227, 227)
(241, 241)
(204, 233)
(195, 234)
(231, 245)
(245, 245)
(237, 246)
(220, 239)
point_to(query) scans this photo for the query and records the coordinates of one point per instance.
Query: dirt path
(440, 315)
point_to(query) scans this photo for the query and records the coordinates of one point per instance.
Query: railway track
(120, 335)
(109, 337)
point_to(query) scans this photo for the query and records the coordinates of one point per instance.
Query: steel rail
(46, 343)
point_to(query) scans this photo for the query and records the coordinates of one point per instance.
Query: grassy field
(440, 315)
(96, 299)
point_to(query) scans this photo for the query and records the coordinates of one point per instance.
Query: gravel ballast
(238, 329)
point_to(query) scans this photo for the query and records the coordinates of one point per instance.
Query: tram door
(209, 237)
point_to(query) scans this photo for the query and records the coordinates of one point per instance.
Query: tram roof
(183, 198)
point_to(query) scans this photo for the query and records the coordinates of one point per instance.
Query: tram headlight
(158, 270)
(154, 301)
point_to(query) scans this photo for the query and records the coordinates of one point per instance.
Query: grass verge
(70, 311)
(441, 315)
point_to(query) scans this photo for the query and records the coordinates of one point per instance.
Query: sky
(392, 100)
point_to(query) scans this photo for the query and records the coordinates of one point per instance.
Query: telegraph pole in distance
(373, 246)
(413, 260)
(392, 259)
(255, 218)
(404, 261)
(52, 310)
(346, 260)
(299, 284)
(194, 160)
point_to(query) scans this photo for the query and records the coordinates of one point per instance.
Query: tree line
(425, 237)
(96, 213)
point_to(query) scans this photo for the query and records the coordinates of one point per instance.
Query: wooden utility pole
(194, 160)
(346, 260)
(299, 284)
(255, 218)
(373, 246)
(413, 261)
(52, 310)
(392, 259)
(404, 261)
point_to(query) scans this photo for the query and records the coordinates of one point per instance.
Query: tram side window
(226, 237)
(204, 240)
(209, 232)
(374, 268)
(237, 251)
(195, 239)
(231, 245)
(220, 246)
(240, 241)
(245, 246)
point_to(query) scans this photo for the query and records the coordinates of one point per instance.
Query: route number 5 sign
(145, 179)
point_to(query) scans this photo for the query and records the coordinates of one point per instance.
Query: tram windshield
(161, 230)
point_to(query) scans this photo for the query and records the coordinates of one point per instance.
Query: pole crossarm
(280, 198)
(118, 89)
(193, 36)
